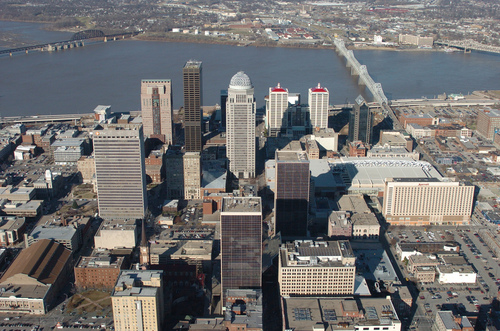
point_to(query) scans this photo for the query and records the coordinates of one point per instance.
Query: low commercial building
(316, 268)
(332, 314)
(98, 272)
(425, 274)
(189, 251)
(392, 152)
(35, 278)
(339, 224)
(68, 231)
(22, 209)
(17, 194)
(447, 321)
(68, 151)
(243, 310)
(11, 229)
(137, 300)
(66, 235)
(456, 274)
(405, 250)
(416, 261)
(365, 226)
(116, 234)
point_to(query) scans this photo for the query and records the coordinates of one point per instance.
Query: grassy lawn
(80, 305)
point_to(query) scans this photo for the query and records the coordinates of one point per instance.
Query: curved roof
(278, 88)
(240, 81)
(319, 89)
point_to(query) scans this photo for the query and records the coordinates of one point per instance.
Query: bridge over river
(76, 41)
(357, 69)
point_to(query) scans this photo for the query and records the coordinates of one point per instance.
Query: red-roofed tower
(276, 106)
(318, 107)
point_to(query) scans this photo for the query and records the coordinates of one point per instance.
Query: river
(77, 80)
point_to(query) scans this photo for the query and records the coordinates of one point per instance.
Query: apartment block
(137, 300)
(192, 175)
(98, 272)
(488, 123)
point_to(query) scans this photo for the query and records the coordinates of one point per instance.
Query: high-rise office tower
(156, 108)
(360, 122)
(240, 130)
(192, 105)
(291, 198)
(276, 107)
(120, 171)
(174, 173)
(318, 107)
(192, 175)
(223, 102)
(241, 243)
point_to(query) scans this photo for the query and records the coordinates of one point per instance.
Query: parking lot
(472, 298)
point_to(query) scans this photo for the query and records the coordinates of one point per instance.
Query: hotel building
(425, 201)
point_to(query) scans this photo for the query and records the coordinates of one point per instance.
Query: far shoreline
(200, 39)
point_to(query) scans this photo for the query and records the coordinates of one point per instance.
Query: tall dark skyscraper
(192, 105)
(241, 243)
(291, 199)
(360, 122)
(223, 100)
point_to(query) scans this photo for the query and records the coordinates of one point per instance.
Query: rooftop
(241, 205)
(294, 156)
(338, 313)
(447, 269)
(65, 233)
(118, 225)
(354, 203)
(105, 262)
(320, 253)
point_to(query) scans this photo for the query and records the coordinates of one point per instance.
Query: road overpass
(468, 45)
(43, 118)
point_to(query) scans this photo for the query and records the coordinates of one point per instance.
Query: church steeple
(144, 246)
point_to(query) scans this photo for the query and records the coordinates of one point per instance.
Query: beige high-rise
(318, 107)
(120, 171)
(309, 268)
(425, 201)
(138, 301)
(192, 175)
(240, 126)
(156, 107)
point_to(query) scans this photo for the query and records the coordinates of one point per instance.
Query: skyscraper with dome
(240, 126)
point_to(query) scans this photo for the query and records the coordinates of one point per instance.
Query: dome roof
(240, 81)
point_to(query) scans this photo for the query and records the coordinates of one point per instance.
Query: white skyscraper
(120, 171)
(276, 106)
(240, 126)
(318, 107)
